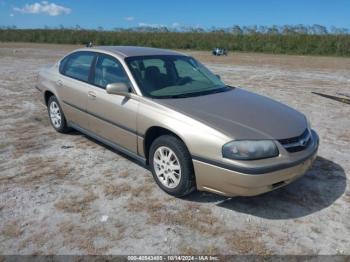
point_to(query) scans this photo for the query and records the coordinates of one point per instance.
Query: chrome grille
(296, 144)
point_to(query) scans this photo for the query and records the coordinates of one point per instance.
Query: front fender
(197, 136)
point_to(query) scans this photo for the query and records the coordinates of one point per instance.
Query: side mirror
(121, 89)
(218, 76)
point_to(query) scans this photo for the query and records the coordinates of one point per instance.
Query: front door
(112, 117)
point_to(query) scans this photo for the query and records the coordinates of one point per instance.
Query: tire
(175, 177)
(56, 116)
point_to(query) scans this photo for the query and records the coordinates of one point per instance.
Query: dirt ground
(68, 194)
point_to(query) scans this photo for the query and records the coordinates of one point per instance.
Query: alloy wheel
(55, 115)
(167, 167)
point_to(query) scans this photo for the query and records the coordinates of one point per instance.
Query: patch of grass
(2, 146)
(7, 179)
(188, 250)
(124, 174)
(11, 229)
(43, 120)
(193, 205)
(108, 173)
(143, 190)
(345, 136)
(38, 239)
(316, 230)
(37, 169)
(76, 204)
(117, 190)
(27, 139)
(150, 206)
(208, 250)
(33, 164)
(247, 242)
(121, 231)
(85, 143)
(200, 219)
(281, 241)
(62, 170)
(76, 236)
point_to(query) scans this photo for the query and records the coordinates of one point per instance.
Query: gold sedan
(168, 111)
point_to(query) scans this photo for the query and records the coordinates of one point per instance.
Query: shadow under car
(321, 186)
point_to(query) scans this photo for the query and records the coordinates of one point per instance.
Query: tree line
(299, 39)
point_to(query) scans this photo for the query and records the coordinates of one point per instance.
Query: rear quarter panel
(47, 78)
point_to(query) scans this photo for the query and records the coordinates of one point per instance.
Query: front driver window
(171, 76)
(108, 70)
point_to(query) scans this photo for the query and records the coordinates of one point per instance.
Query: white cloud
(12, 15)
(129, 18)
(151, 25)
(176, 24)
(43, 7)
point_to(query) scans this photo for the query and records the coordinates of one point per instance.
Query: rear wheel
(171, 166)
(57, 118)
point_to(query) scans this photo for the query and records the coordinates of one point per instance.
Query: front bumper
(228, 182)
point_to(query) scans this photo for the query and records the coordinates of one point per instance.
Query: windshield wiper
(214, 91)
(181, 95)
(201, 93)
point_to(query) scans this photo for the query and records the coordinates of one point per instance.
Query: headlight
(249, 149)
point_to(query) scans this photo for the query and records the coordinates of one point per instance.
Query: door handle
(59, 83)
(91, 95)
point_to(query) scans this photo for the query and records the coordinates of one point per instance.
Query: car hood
(241, 114)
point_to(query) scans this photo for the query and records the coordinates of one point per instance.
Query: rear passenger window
(108, 70)
(78, 66)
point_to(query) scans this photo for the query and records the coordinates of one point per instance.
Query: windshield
(170, 76)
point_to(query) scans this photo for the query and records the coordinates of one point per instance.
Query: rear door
(73, 85)
(113, 117)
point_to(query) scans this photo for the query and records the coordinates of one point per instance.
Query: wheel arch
(47, 96)
(153, 133)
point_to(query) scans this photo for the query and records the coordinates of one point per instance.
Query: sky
(110, 14)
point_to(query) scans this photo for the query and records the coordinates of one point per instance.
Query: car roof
(129, 51)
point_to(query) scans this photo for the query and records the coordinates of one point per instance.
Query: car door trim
(107, 142)
(104, 119)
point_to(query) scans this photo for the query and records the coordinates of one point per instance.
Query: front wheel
(171, 166)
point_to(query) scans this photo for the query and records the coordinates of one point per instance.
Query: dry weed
(39, 169)
(11, 229)
(75, 236)
(208, 250)
(76, 204)
(38, 239)
(124, 174)
(200, 219)
(143, 190)
(116, 190)
(247, 242)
